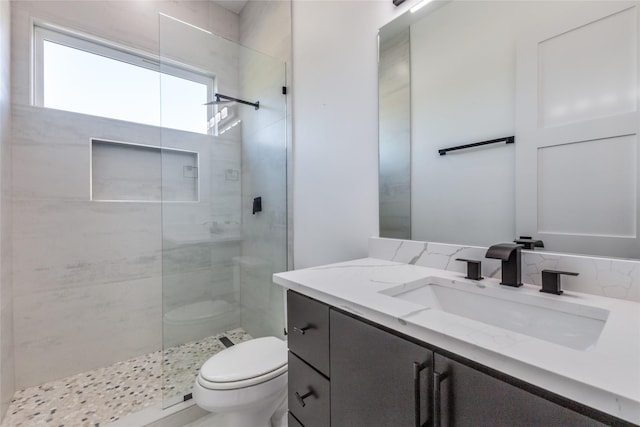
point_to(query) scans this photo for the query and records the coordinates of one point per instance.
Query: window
(82, 75)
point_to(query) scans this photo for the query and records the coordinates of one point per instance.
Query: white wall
(335, 114)
(6, 295)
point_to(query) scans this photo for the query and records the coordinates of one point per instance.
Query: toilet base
(278, 419)
(266, 411)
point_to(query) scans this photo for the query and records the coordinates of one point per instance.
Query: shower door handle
(257, 205)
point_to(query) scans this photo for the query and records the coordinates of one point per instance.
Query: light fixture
(419, 6)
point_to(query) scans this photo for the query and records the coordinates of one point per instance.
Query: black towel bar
(506, 139)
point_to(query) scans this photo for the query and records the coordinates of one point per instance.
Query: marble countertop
(606, 377)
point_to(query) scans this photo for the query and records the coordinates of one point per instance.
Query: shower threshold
(104, 395)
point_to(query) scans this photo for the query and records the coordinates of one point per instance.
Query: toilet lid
(249, 359)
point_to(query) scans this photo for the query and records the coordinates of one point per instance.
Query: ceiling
(234, 6)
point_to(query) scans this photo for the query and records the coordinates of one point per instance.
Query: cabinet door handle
(437, 397)
(302, 331)
(417, 369)
(303, 397)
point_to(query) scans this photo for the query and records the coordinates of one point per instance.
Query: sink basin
(554, 320)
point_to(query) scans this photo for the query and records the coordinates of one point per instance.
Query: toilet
(244, 384)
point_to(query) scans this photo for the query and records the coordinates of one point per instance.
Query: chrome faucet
(510, 255)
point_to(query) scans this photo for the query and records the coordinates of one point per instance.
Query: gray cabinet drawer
(313, 389)
(308, 327)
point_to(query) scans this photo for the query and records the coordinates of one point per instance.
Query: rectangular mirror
(562, 77)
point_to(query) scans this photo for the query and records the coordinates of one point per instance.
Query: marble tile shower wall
(266, 27)
(74, 279)
(614, 278)
(263, 249)
(197, 263)
(88, 275)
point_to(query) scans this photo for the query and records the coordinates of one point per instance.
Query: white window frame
(44, 31)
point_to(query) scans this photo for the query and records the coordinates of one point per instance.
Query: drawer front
(308, 327)
(308, 394)
(293, 422)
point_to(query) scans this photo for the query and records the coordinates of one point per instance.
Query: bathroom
(330, 181)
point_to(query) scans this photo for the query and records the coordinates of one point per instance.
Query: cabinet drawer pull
(303, 397)
(302, 331)
(417, 369)
(437, 397)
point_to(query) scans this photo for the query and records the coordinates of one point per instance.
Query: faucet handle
(529, 243)
(551, 281)
(473, 268)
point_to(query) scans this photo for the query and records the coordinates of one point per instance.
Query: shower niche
(122, 171)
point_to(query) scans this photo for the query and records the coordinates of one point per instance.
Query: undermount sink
(558, 321)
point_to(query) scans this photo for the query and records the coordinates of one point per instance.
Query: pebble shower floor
(104, 395)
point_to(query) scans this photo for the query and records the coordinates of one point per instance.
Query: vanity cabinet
(308, 330)
(309, 394)
(466, 397)
(378, 379)
(381, 378)
(308, 369)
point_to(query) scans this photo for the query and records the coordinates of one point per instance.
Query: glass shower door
(224, 216)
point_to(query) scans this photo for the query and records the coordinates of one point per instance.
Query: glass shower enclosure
(224, 198)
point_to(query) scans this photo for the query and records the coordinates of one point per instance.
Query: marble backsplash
(610, 277)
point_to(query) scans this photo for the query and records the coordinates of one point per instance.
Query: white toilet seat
(232, 385)
(245, 364)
